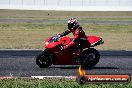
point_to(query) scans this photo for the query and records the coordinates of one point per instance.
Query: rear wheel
(90, 58)
(44, 59)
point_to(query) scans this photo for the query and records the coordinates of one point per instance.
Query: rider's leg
(79, 49)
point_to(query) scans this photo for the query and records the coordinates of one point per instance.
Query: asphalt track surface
(25, 66)
(10, 20)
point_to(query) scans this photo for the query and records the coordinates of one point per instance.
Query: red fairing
(52, 45)
(93, 39)
(46, 41)
(66, 40)
(64, 56)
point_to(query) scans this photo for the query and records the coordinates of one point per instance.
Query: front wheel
(44, 59)
(90, 58)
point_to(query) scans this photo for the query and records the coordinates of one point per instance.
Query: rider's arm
(65, 33)
(76, 36)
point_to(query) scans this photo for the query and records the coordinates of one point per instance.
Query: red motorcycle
(56, 55)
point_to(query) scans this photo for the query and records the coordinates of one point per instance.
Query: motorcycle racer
(79, 50)
(79, 35)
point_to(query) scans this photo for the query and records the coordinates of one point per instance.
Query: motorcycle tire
(44, 59)
(90, 57)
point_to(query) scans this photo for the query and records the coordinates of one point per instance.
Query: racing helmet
(72, 22)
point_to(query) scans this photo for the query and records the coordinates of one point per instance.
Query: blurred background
(25, 24)
(77, 5)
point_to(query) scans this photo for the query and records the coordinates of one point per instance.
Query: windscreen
(54, 39)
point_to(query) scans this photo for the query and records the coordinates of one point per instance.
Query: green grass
(64, 15)
(56, 83)
(32, 35)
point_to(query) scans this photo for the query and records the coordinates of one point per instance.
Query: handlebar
(56, 37)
